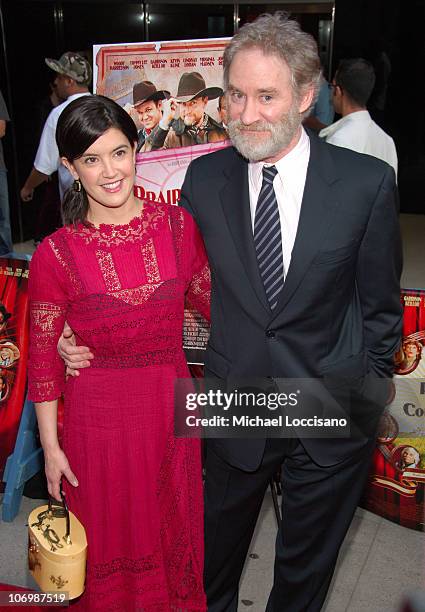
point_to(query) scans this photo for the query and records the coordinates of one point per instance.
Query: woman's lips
(112, 187)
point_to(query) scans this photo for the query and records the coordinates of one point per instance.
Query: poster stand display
(396, 487)
(25, 461)
(13, 371)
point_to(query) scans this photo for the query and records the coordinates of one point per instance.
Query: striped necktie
(267, 238)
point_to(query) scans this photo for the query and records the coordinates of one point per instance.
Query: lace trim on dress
(137, 360)
(136, 296)
(59, 247)
(44, 316)
(45, 391)
(151, 262)
(109, 273)
(149, 220)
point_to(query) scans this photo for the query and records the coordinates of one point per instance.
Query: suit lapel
(317, 208)
(235, 202)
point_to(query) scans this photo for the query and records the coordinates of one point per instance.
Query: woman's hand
(75, 357)
(56, 466)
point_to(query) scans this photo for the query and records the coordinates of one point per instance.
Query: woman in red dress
(120, 273)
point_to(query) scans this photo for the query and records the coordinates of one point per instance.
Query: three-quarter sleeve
(48, 300)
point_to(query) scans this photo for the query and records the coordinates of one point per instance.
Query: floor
(380, 563)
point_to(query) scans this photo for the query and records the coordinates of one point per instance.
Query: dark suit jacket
(339, 312)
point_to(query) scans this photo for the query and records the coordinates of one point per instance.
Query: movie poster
(397, 479)
(13, 351)
(173, 91)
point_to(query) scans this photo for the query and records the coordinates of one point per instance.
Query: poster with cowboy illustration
(397, 478)
(14, 314)
(173, 91)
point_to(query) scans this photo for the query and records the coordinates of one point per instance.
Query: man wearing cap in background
(147, 101)
(193, 126)
(72, 81)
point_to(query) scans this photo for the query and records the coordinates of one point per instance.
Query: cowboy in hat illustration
(147, 101)
(9, 353)
(194, 125)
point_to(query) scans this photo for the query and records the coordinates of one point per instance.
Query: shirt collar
(286, 164)
(357, 116)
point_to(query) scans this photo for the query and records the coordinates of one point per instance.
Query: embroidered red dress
(122, 289)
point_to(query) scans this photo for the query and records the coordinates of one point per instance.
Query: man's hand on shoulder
(75, 357)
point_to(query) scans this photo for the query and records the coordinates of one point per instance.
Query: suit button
(270, 333)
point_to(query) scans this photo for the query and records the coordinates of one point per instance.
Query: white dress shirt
(47, 158)
(288, 184)
(358, 131)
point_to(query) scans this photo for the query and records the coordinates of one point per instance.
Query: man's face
(192, 112)
(61, 84)
(222, 110)
(408, 456)
(263, 112)
(149, 114)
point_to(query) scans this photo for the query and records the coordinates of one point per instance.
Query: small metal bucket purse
(57, 563)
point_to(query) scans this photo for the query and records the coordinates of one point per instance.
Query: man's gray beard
(280, 136)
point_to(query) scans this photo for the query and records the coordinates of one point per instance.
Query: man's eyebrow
(263, 90)
(268, 90)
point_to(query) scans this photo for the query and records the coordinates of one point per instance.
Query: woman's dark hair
(80, 124)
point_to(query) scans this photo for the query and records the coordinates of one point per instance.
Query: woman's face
(106, 170)
(5, 353)
(411, 350)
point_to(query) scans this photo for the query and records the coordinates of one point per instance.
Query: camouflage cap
(72, 65)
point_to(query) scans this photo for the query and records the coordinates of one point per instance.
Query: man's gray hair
(278, 35)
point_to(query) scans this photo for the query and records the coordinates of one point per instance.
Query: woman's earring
(77, 185)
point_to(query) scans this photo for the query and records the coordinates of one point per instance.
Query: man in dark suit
(304, 247)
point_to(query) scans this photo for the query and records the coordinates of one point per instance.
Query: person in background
(323, 112)
(72, 81)
(50, 101)
(352, 85)
(120, 272)
(6, 245)
(47, 197)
